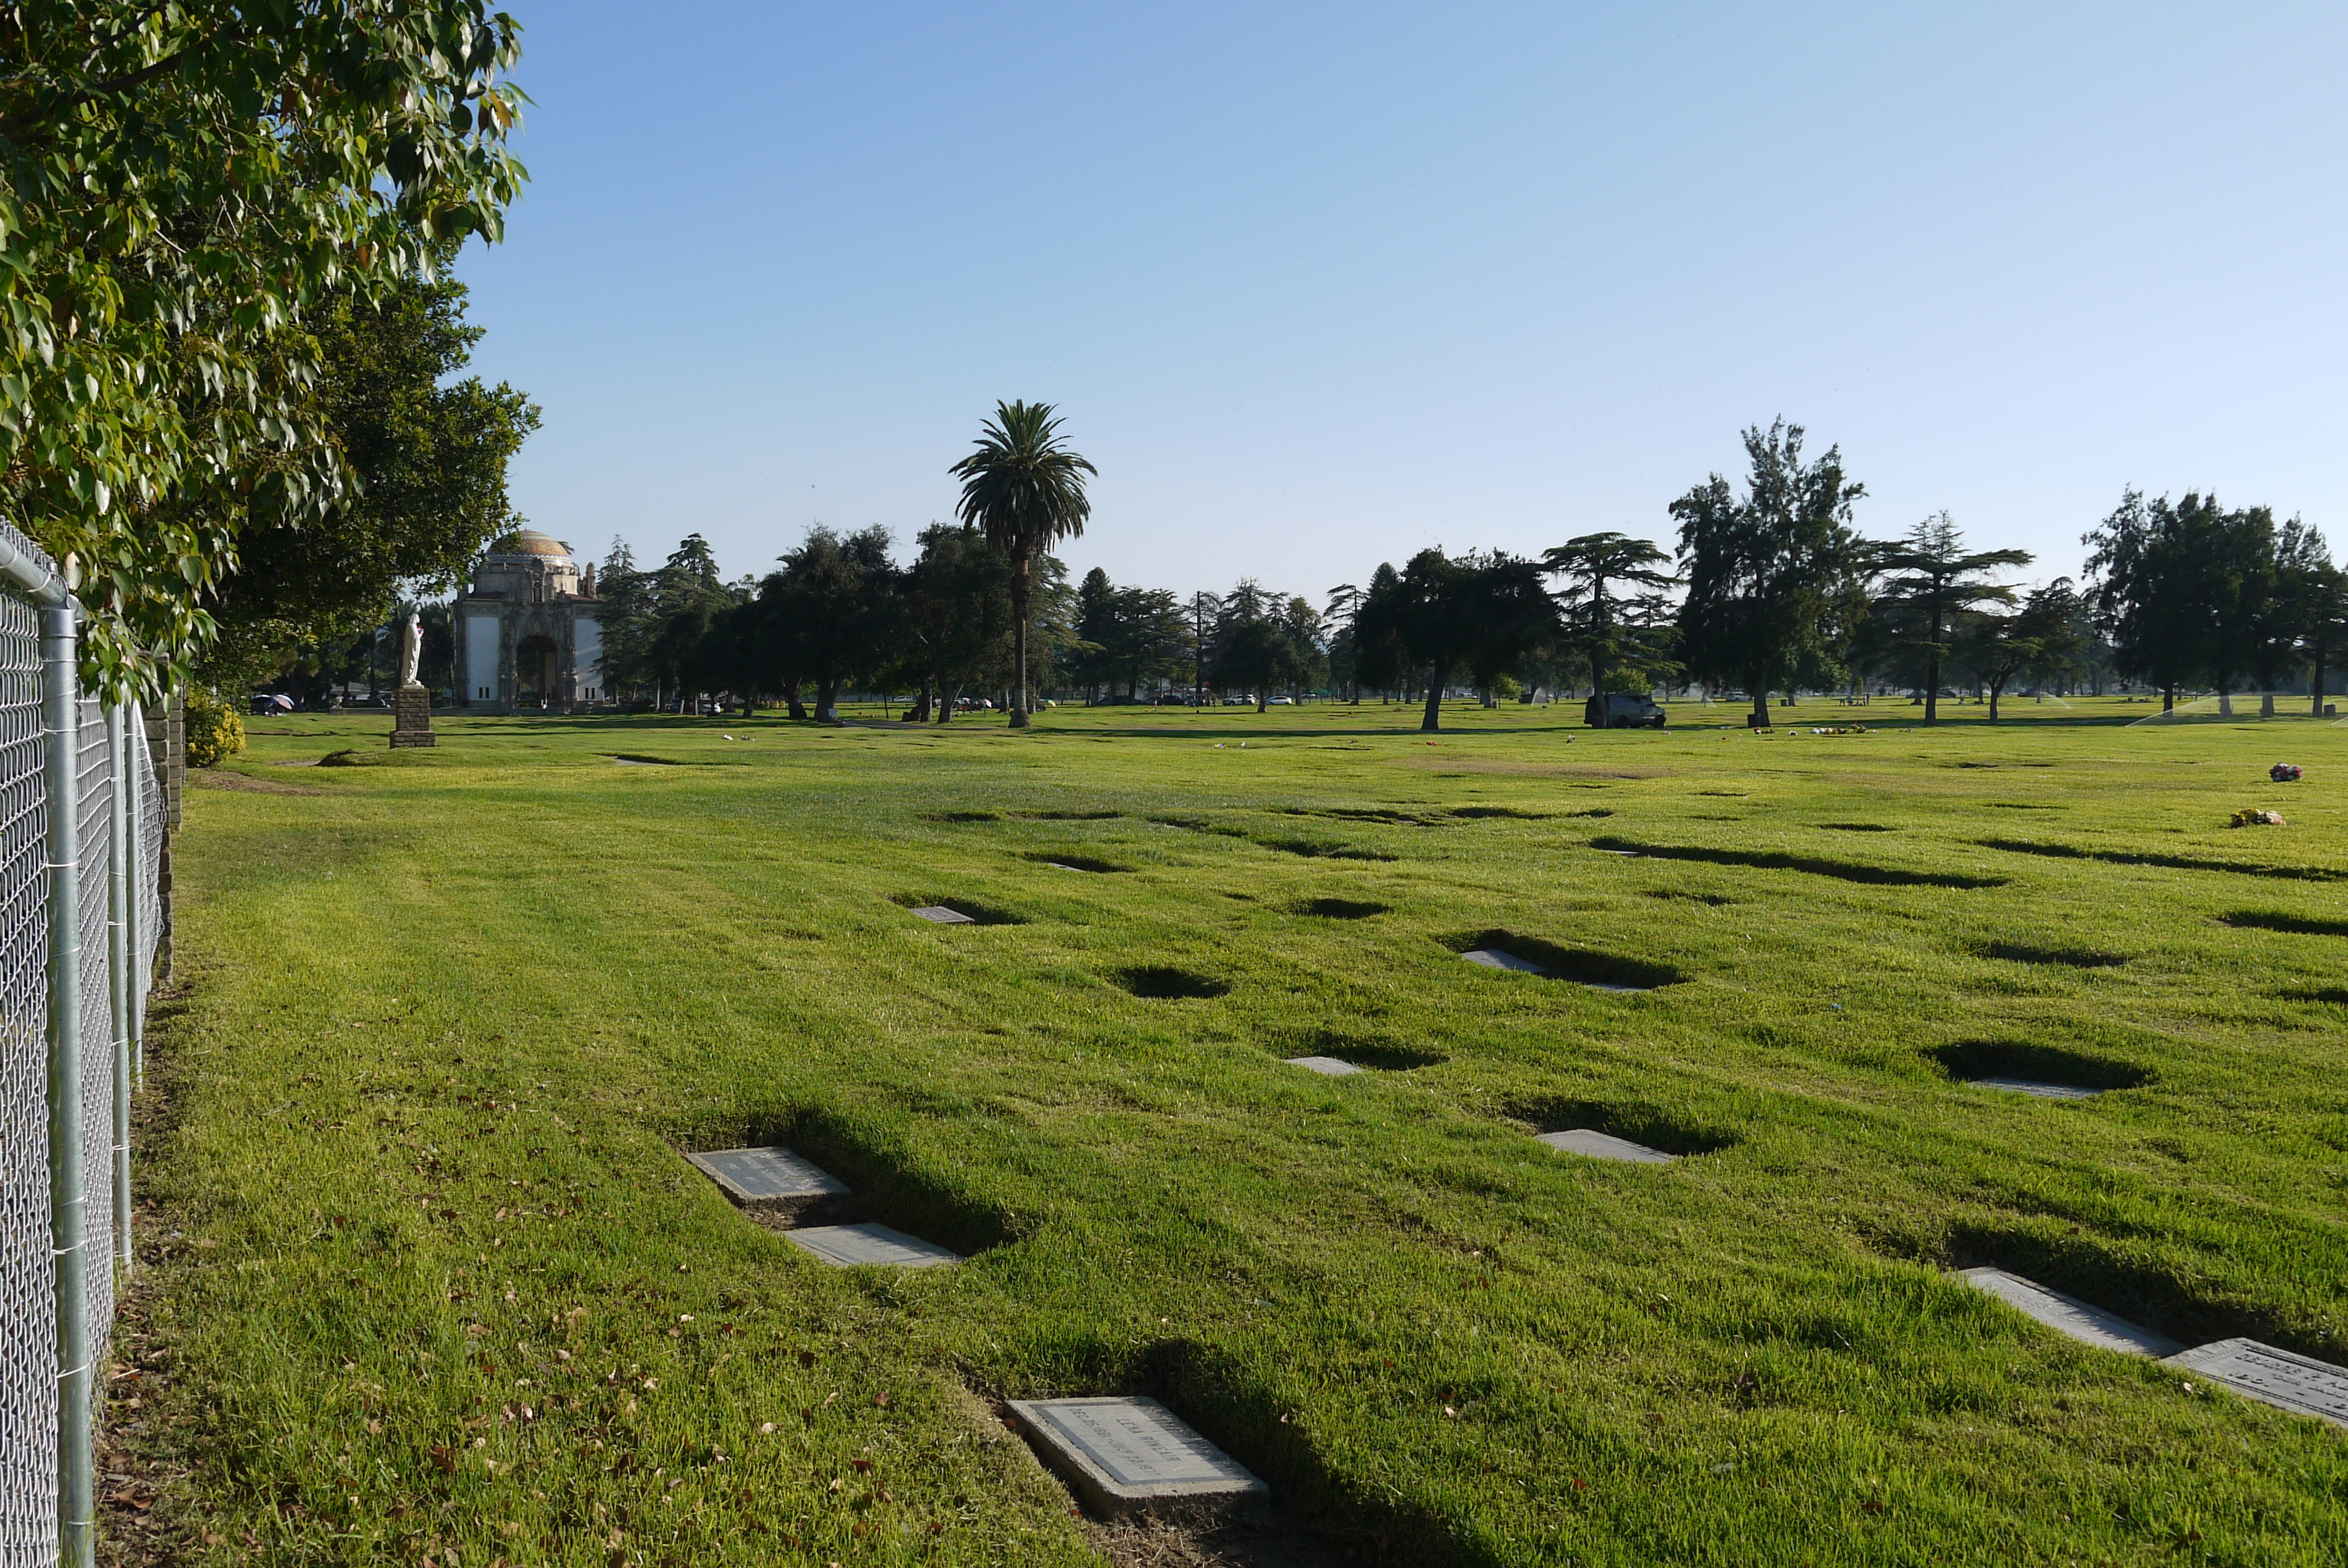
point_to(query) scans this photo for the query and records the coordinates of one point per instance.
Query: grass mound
(404, 757)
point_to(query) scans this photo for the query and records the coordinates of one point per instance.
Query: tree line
(1770, 589)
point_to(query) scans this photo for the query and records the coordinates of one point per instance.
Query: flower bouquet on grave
(2256, 818)
(2284, 773)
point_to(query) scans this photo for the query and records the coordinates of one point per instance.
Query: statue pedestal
(413, 723)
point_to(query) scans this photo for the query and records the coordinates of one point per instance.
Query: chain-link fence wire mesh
(94, 780)
(28, 1322)
(146, 863)
(29, 1370)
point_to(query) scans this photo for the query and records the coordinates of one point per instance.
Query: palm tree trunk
(2316, 686)
(1019, 596)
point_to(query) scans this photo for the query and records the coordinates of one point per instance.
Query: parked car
(1282, 702)
(1622, 710)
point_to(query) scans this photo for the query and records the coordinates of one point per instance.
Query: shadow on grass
(1078, 863)
(2277, 920)
(1970, 1061)
(1322, 849)
(885, 1187)
(1339, 909)
(2336, 996)
(2073, 958)
(2173, 862)
(980, 913)
(1161, 983)
(1577, 964)
(2079, 1263)
(1311, 1517)
(1363, 1050)
(1817, 865)
(1364, 813)
(1669, 1131)
(961, 816)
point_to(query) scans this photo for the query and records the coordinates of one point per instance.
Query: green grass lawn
(426, 1280)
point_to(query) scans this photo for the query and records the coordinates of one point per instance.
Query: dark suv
(1622, 710)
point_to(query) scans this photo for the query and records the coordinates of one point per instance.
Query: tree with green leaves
(680, 604)
(1612, 604)
(2040, 637)
(2166, 580)
(182, 188)
(1025, 490)
(1775, 577)
(837, 600)
(427, 459)
(1480, 614)
(1930, 580)
(1255, 645)
(958, 614)
(1374, 631)
(2295, 585)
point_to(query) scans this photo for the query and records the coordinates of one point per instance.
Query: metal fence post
(60, 713)
(117, 965)
(133, 819)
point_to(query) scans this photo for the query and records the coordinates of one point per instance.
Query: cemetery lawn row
(425, 1278)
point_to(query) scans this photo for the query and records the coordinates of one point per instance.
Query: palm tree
(1025, 492)
(1934, 581)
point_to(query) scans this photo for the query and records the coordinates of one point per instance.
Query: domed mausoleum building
(529, 632)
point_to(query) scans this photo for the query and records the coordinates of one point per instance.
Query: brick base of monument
(413, 723)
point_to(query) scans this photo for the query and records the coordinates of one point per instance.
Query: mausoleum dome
(531, 542)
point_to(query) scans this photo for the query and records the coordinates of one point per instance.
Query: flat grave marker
(1329, 1065)
(2068, 1315)
(2038, 1090)
(768, 1184)
(854, 1247)
(1123, 1453)
(1600, 1145)
(2278, 1377)
(1497, 958)
(945, 917)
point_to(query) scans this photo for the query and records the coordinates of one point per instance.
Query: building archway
(536, 661)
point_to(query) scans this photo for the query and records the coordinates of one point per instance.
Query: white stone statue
(411, 648)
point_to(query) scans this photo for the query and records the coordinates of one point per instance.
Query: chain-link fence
(81, 913)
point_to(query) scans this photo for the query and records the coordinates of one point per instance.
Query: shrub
(215, 731)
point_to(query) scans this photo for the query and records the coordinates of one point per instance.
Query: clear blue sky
(1317, 285)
